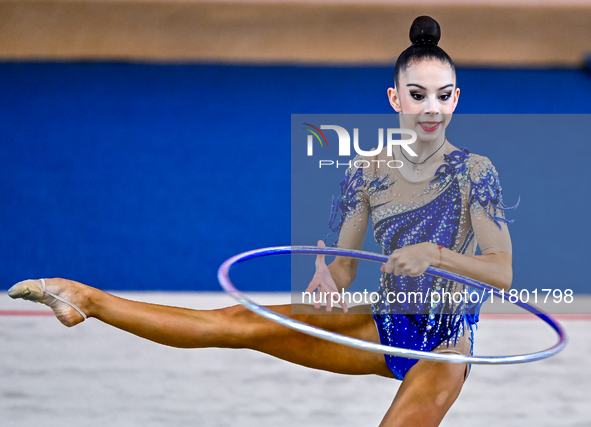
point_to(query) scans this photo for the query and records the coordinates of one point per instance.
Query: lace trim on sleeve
(356, 187)
(486, 192)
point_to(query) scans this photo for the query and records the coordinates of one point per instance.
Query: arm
(494, 266)
(354, 204)
(490, 229)
(344, 269)
(351, 228)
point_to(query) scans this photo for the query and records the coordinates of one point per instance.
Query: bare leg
(426, 394)
(429, 389)
(232, 327)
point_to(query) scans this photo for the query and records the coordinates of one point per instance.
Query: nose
(431, 106)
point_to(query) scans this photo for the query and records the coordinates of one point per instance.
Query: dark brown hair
(424, 36)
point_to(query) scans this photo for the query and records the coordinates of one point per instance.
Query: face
(426, 97)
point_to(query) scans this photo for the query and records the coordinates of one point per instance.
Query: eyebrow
(421, 87)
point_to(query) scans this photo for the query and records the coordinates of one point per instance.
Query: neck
(424, 149)
(428, 154)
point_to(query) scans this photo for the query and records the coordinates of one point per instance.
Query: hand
(325, 284)
(411, 260)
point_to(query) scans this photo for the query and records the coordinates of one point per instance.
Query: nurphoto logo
(345, 145)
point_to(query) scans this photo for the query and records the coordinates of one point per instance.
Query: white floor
(94, 375)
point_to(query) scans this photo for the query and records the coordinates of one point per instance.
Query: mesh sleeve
(487, 210)
(350, 212)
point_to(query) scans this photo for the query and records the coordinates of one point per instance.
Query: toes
(27, 289)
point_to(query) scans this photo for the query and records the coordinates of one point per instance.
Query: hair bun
(425, 31)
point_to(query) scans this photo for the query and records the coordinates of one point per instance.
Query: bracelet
(440, 255)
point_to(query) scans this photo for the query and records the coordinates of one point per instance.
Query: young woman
(432, 211)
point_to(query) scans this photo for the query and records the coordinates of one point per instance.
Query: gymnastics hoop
(224, 279)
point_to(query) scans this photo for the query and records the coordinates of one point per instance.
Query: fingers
(320, 258)
(326, 293)
(401, 263)
(389, 268)
(334, 298)
(328, 302)
(325, 285)
(412, 260)
(344, 306)
(392, 264)
(317, 284)
(404, 269)
(312, 286)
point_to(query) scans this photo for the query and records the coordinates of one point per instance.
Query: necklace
(419, 164)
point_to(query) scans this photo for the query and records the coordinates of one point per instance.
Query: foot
(58, 294)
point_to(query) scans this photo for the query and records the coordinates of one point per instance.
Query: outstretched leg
(232, 327)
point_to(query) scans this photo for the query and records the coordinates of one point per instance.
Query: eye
(445, 96)
(417, 95)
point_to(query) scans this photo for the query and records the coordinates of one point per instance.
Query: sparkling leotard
(459, 208)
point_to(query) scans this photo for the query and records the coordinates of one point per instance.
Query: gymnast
(432, 211)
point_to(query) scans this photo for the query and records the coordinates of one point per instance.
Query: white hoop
(224, 279)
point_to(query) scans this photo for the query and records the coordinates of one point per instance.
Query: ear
(457, 97)
(394, 99)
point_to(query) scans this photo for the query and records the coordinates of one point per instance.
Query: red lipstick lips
(430, 126)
